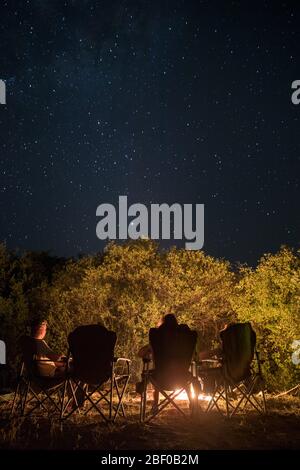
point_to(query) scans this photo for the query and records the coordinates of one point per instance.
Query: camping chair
(173, 349)
(93, 367)
(32, 388)
(239, 373)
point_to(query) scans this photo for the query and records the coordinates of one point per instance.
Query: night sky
(178, 101)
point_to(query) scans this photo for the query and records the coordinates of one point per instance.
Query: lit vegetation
(130, 286)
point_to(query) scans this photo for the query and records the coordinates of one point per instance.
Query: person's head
(39, 329)
(169, 320)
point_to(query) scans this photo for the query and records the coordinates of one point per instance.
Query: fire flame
(182, 396)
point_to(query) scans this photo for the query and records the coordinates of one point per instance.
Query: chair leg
(14, 403)
(168, 399)
(120, 397)
(210, 403)
(40, 402)
(25, 398)
(88, 398)
(227, 400)
(62, 409)
(112, 378)
(264, 406)
(217, 395)
(103, 396)
(143, 399)
(249, 397)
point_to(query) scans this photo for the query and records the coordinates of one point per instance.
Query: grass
(279, 429)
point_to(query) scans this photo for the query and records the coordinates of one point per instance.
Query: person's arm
(46, 351)
(145, 352)
(210, 354)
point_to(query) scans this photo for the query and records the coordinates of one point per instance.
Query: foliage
(130, 286)
(268, 296)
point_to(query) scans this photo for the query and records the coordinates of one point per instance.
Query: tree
(268, 296)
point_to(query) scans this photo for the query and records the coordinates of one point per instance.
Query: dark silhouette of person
(167, 331)
(51, 364)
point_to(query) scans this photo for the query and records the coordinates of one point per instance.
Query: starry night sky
(162, 101)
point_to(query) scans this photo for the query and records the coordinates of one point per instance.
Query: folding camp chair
(238, 380)
(95, 371)
(34, 391)
(173, 349)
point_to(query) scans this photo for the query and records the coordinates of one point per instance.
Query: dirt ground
(279, 429)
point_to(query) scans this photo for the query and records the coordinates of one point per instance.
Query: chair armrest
(45, 360)
(126, 362)
(117, 359)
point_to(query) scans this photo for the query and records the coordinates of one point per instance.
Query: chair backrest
(173, 350)
(239, 340)
(92, 349)
(29, 353)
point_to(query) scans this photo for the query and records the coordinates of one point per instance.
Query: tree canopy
(130, 286)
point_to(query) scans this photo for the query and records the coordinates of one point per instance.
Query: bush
(268, 296)
(130, 286)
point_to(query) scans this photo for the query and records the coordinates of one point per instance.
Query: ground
(279, 429)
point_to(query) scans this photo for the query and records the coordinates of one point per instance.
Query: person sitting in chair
(168, 325)
(211, 375)
(168, 320)
(49, 363)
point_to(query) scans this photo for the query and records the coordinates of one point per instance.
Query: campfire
(183, 396)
